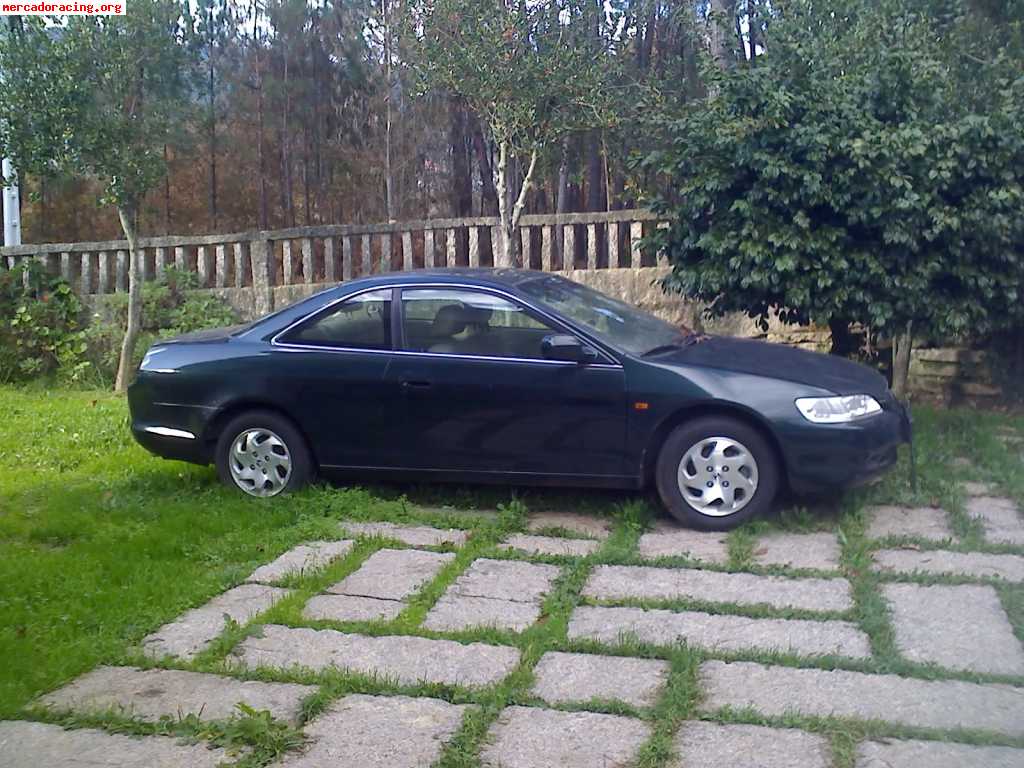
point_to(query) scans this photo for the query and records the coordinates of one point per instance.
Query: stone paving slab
(714, 745)
(154, 693)
(393, 574)
(379, 732)
(591, 526)
(944, 704)
(814, 551)
(194, 630)
(672, 540)
(404, 659)
(935, 754)
(40, 745)
(620, 582)
(524, 737)
(454, 612)
(301, 559)
(719, 632)
(999, 517)
(978, 565)
(413, 535)
(929, 523)
(977, 489)
(957, 627)
(551, 545)
(506, 580)
(567, 677)
(351, 608)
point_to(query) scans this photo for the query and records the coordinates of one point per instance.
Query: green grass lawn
(101, 543)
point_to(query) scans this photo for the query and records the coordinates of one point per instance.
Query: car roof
(484, 276)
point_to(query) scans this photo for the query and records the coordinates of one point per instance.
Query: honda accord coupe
(512, 376)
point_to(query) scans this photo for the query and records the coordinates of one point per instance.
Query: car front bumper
(820, 457)
(168, 430)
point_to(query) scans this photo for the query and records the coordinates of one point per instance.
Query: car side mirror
(564, 346)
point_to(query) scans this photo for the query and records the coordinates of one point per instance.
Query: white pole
(12, 211)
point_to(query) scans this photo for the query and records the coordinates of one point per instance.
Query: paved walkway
(780, 632)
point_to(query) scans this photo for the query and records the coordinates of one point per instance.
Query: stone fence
(259, 270)
(305, 256)
(953, 376)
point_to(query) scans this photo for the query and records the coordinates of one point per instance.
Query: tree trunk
(213, 131)
(1019, 362)
(488, 194)
(753, 34)
(510, 214)
(646, 45)
(462, 181)
(261, 152)
(305, 174)
(261, 160)
(844, 343)
(901, 344)
(595, 172)
(287, 200)
(128, 215)
(562, 194)
(721, 20)
(167, 192)
(389, 174)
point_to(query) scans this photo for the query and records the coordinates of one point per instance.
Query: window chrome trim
(285, 347)
(295, 347)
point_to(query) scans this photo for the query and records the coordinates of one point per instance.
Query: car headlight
(837, 410)
(147, 361)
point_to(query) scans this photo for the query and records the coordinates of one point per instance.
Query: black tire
(302, 468)
(688, 435)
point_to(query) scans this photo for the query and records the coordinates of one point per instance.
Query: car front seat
(448, 321)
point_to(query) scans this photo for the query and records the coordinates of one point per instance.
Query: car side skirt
(630, 482)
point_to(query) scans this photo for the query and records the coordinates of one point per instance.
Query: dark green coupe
(512, 376)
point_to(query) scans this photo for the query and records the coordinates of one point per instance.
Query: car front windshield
(610, 320)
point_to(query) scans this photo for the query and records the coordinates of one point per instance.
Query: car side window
(362, 322)
(462, 322)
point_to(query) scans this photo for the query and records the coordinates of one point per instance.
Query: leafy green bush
(169, 308)
(859, 172)
(40, 329)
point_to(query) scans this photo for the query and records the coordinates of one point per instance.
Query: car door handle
(409, 385)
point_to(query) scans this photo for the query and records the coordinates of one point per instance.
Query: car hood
(777, 361)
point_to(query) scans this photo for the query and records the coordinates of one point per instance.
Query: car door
(330, 369)
(475, 394)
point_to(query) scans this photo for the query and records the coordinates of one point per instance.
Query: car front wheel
(263, 454)
(715, 473)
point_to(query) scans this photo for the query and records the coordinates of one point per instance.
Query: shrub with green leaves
(868, 168)
(170, 307)
(40, 332)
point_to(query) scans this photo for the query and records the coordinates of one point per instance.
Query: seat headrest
(454, 318)
(449, 320)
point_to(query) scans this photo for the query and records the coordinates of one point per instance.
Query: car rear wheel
(715, 473)
(262, 454)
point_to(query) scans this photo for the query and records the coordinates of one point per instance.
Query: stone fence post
(263, 273)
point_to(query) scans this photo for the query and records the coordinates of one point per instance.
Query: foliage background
(46, 331)
(869, 168)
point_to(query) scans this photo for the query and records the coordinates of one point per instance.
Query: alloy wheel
(260, 462)
(718, 476)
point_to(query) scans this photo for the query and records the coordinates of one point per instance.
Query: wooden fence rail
(307, 255)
